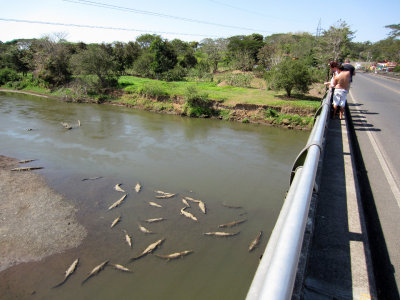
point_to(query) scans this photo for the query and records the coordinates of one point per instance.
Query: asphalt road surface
(374, 104)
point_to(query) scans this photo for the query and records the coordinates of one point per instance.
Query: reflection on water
(215, 161)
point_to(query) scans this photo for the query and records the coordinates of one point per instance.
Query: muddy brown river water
(221, 163)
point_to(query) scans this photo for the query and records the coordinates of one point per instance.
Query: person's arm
(335, 79)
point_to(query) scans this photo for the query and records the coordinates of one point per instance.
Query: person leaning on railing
(349, 67)
(333, 66)
(341, 81)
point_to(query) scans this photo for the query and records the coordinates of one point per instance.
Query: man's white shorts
(340, 97)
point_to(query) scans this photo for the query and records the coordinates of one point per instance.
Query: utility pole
(319, 29)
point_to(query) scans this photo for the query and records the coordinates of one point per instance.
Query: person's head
(347, 61)
(333, 65)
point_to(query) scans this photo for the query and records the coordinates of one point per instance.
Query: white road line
(383, 162)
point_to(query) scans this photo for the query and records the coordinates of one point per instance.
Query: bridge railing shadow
(359, 118)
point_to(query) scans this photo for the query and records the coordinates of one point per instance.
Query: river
(221, 163)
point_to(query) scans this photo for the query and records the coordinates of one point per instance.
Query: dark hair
(340, 67)
(333, 64)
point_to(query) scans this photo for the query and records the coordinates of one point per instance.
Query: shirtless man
(342, 84)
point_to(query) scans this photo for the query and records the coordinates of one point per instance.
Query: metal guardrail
(276, 273)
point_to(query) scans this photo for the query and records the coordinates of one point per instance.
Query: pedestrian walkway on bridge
(339, 262)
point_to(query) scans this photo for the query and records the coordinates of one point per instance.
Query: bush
(81, 87)
(141, 66)
(225, 114)
(197, 105)
(278, 118)
(152, 90)
(259, 71)
(188, 61)
(201, 72)
(25, 82)
(7, 75)
(239, 80)
(176, 74)
(289, 75)
(271, 113)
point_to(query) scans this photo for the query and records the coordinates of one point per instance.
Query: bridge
(338, 233)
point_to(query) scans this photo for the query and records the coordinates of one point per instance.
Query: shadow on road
(359, 118)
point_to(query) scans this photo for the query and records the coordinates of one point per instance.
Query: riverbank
(289, 116)
(35, 221)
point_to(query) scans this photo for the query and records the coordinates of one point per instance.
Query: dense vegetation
(289, 62)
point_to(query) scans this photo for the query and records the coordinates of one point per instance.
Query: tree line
(55, 62)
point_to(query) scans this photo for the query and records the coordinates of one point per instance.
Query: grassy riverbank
(217, 99)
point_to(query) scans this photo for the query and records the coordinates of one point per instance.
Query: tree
(243, 60)
(303, 46)
(132, 52)
(288, 75)
(165, 57)
(395, 30)
(335, 42)
(52, 60)
(282, 42)
(284, 45)
(17, 55)
(189, 60)
(141, 66)
(214, 50)
(243, 50)
(360, 51)
(119, 56)
(180, 46)
(96, 60)
(145, 40)
(388, 49)
(265, 55)
(125, 54)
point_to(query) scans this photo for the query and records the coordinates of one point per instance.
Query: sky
(97, 21)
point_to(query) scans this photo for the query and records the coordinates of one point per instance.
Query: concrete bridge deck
(339, 263)
(347, 255)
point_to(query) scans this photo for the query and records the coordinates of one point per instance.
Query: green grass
(149, 88)
(230, 95)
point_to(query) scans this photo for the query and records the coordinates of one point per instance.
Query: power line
(150, 13)
(101, 27)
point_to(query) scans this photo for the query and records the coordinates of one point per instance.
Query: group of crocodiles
(150, 249)
(153, 246)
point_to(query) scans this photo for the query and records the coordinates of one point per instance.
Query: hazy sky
(191, 20)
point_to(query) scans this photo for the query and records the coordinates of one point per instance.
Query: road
(374, 104)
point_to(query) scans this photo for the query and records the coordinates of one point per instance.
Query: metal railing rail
(276, 273)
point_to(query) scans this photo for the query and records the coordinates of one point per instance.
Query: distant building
(385, 66)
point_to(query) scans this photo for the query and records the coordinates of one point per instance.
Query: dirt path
(35, 221)
(23, 92)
